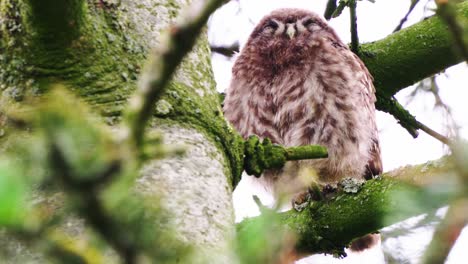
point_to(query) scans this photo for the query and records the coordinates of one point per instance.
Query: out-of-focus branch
(456, 218)
(446, 11)
(92, 209)
(177, 42)
(447, 233)
(330, 9)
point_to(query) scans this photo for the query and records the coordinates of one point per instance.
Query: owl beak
(290, 31)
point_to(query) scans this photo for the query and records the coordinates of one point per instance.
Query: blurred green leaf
(13, 192)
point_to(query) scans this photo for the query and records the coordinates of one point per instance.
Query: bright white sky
(235, 21)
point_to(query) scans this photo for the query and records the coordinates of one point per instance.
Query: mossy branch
(177, 42)
(405, 118)
(412, 54)
(266, 155)
(330, 225)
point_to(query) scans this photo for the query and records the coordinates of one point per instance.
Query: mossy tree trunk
(96, 49)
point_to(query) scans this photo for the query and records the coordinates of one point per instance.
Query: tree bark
(96, 49)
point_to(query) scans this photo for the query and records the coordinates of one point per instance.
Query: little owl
(297, 83)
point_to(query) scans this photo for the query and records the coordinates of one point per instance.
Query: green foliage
(13, 192)
(71, 149)
(264, 240)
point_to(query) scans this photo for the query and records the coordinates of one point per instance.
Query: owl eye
(308, 22)
(271, 25)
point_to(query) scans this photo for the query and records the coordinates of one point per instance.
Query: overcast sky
(234, 22)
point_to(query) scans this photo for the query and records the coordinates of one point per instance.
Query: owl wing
(374, 166)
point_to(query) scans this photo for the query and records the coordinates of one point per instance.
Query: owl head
(288, 24)
(284, 38)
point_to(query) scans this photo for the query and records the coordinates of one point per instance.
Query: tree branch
(412, 54)
(330, 9)
(354, 29)
(266, 155)
(329, 226)
(403, 20)
(447, 233)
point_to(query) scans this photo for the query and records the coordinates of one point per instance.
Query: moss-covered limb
(412, 54)
(328, 226)
(446, 11)
(266, 155)
(405, 118)
(179, 41)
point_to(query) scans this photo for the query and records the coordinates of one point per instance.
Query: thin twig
(179, 40)
(228, 51)
(330, 9)
(405, 18)
(354, 30)
(433, 133)
(91, 208)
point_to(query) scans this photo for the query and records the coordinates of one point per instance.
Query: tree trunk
(96, 49)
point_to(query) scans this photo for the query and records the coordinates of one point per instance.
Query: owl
(297, 83)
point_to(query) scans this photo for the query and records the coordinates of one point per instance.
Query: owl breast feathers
(296, 83)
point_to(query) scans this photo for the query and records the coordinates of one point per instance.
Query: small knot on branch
(260, 156)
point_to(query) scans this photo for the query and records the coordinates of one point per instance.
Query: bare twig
(405, 18)
(226, 51)
(354, 30)
(178, 41)
(433, 133)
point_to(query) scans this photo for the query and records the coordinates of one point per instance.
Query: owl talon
(301, 201)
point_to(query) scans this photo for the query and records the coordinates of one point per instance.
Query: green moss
(100, 61)
(329, 225)
(204, 114)
(412, 54)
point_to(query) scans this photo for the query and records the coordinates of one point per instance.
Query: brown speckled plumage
(297, 83)
(308, 89)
